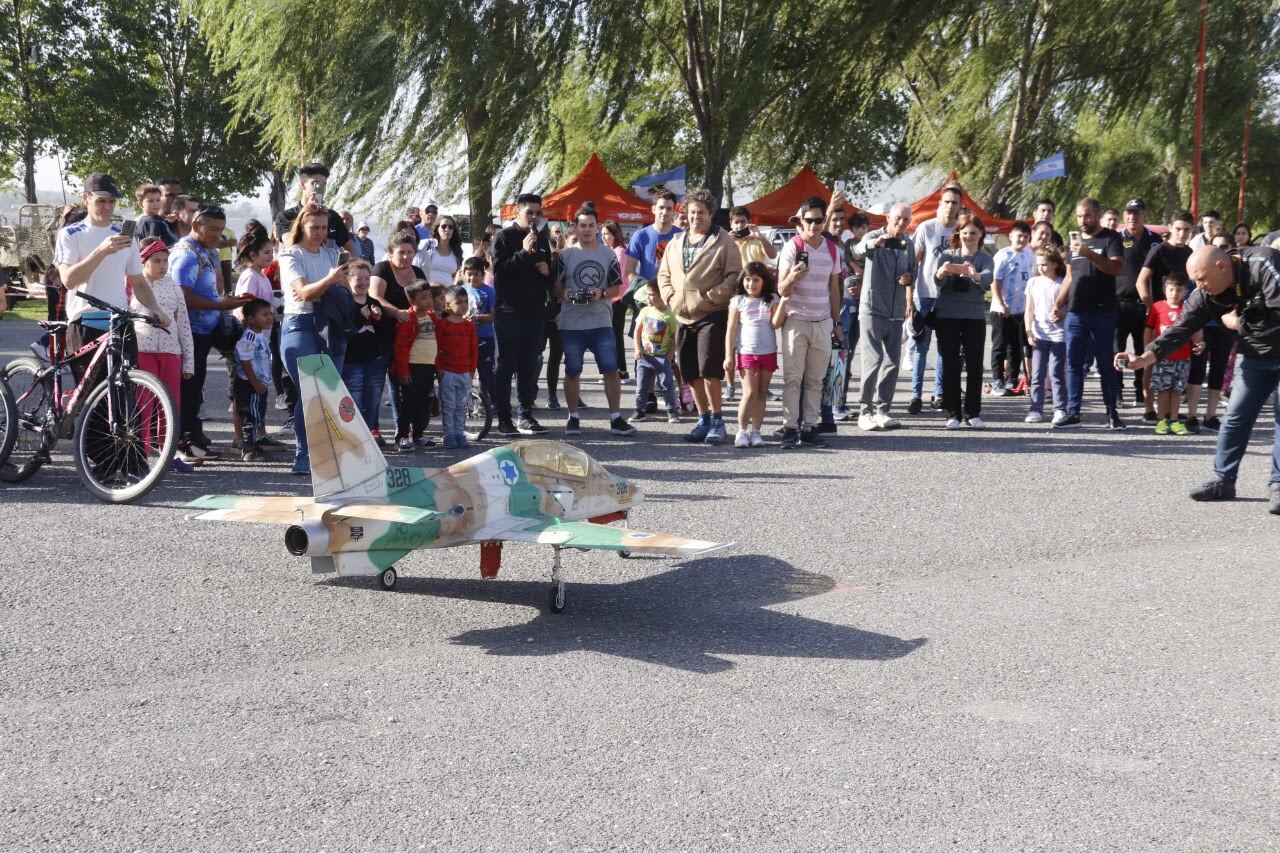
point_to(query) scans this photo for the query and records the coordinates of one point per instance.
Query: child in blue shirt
(253, 375)
(481, 298)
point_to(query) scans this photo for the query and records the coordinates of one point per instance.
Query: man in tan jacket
(698, 276)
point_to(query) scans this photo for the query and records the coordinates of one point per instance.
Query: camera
(580, 297)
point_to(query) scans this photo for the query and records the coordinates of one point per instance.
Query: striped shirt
(811, 296)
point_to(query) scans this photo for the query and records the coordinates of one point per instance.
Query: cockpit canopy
(553, 458)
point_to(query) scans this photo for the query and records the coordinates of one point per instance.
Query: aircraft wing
(291, 510)
(284, 509)
(584, 534)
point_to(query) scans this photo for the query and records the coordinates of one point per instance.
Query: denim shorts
(600, 341)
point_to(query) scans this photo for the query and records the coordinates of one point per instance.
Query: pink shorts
(768, 361)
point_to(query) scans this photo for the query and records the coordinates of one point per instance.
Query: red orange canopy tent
(593, 183)
(927, 208)
(777, 208)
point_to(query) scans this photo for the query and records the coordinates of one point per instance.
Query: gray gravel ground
(1009, 640)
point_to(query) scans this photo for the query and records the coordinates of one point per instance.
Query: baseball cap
(102, 185)
(364, 226)
(211, 211)
(1136, 204)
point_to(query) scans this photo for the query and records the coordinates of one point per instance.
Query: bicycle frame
(63, 406)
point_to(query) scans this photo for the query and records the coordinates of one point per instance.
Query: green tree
(146, 103)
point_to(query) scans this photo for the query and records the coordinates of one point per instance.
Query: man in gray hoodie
(887, 283)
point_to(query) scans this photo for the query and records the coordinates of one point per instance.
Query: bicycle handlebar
(119, 312)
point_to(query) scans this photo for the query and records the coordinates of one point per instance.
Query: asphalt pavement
(1012, 639)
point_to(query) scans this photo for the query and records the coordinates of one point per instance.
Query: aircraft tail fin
(345, 460)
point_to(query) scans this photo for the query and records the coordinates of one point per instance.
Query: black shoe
(1113, 421)
(1193, 425)
(572, 426)
(825, 428)
(1212, 424)
(1150, 418)
(619, 426)
(1274, 490)
(1217, 489)
(530, 426)
(270, 443)
(789, 439)
(811, 438)
(1069, 422)
(914, 407)
(507, 428)
(651, 407)
(553, 404)
(935, 403)
(638, 416)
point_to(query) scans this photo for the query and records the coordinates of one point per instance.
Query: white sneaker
(756, 438)
(727, 394)
(743, 439)
(999, 389)
(977, 423)
(953, 423)
(1058, 416)
(1033, 418)
(883, 421)
(867, 422)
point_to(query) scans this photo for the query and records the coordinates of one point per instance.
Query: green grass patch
(27, 309)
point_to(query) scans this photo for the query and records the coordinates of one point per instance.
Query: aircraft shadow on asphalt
(686, 618)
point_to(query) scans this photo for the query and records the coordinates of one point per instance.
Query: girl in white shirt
(1045, 336)
(167, 355)
(751, 347)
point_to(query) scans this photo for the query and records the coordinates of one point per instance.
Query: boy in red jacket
(457, 355)
(414, 367)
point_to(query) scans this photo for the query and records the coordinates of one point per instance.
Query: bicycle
(123, 419)
(8, 422)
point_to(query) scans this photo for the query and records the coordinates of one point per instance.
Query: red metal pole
(1244, 165)
(1195, 155)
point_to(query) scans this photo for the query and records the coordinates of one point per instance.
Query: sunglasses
(813, 221)
(444, 225)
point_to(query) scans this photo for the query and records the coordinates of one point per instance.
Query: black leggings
(619, 322)
(1131, 325)
(954, 336)
(555, 355)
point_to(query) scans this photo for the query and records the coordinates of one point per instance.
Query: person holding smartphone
(309, 267)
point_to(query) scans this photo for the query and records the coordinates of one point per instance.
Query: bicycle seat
(53, 325)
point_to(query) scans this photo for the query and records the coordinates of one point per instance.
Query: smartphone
(742, 232)
(1073, 237)
(344, 258)
(802, 258)
(128, 227)
(840, 186)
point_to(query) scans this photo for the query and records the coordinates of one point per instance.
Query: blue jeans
(651, 368)
(298, 338)
(919, 352)
(455, 396)
(1255, 383)
(364, 381)
(1047, 358)
(1090, 334)
(851, 330)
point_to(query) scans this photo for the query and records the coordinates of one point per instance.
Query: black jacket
(1256, 297)
(520, 289)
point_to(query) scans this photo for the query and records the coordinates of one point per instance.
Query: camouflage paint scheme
(365, 515)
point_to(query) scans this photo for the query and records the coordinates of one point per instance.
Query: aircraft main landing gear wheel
(557, 598)
(387, 580)
(624, 554)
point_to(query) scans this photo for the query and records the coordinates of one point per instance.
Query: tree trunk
(278, 197)
(728, 188)
(1172, 195)
(29, 169)
(479, 178)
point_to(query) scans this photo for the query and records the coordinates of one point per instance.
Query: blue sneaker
(301, 466)
(717, 434)
(463, 444)
(450, 443)
(699, 431)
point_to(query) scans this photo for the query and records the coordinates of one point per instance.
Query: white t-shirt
(811, 297)
(75, 243)
(440, 267)
(1013, 271)
(296, 262)
(932, 238)
(756, 335)
(1044, 293)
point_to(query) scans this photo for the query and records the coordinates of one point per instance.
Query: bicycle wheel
(479, 415)
(34, 438)
(125, 437)
(8, 422)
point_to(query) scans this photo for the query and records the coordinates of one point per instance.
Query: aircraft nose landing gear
(557, 584)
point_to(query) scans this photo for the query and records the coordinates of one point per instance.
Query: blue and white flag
(1054, 166)
(650, 185)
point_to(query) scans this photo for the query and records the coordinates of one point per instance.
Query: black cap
(211, 211)
(102, 185)
(1136, 204)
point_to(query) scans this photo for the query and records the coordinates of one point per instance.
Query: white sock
(614, 415)
(573, 413)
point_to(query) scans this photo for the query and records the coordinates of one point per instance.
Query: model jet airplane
(366, 515)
